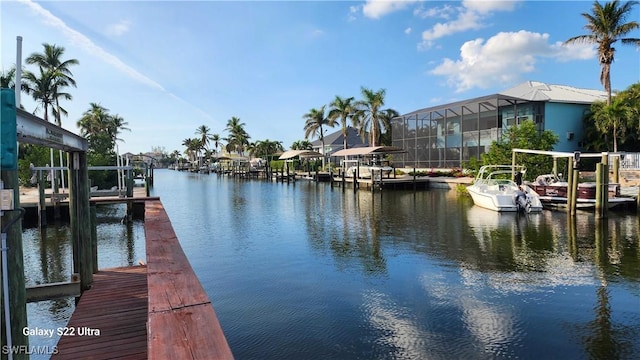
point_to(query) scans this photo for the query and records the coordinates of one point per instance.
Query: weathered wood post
(616, 169)
(147, 179)
(94, 238)
(151, 173)
(555, 166)
(356, 177)
(331, 175)
(287, 165)
(574, 191)
(605, 183)
(80, 218)
(130, 183)
(569, 183)
(17, 297)
(599, 190)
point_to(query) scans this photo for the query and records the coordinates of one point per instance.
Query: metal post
(569, 183)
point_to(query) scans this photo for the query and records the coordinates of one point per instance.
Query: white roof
(538, 91)
(302, 153)
(369, 150)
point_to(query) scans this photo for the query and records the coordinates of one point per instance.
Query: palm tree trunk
(615, 138)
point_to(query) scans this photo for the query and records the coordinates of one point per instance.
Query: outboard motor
(521, 201)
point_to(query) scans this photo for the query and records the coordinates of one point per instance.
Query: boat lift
(602, 174)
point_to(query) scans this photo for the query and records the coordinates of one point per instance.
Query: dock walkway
(157, 311)
(116, 307)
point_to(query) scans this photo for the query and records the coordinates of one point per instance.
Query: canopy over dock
(369, 150)
(289, 154)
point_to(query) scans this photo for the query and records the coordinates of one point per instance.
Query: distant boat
(492, 189)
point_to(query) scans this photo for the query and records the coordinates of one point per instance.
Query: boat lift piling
(602, 175)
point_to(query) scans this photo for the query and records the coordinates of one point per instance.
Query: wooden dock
(182, 323)
(157, 311)
(116, 306)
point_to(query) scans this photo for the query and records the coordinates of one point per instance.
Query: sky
(168, 67)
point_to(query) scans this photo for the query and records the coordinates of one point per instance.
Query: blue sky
(169, 67)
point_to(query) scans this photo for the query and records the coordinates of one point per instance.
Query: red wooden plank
(116, 306)
(179, 308)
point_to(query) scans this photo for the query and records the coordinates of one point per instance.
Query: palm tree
(8, 78)
(193, 146)
(101, 128)
(614, 117)
(114, 127)
(302, 145)
(40, 89)
(51, 61)
(342, 109)
(314, 126)
(216, 141)
(267, 148)
(631, 97)
(238, 137)
(92, 121)
(606, 25)
(369, 114)
(203, 131)
(385, 119)
(58, 77)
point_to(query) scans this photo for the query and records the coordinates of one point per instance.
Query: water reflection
(528, 256)
(347, 228)
(48, 258)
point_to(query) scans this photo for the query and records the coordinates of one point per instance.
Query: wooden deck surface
(182, 322)
(116, 306)
(157, 311)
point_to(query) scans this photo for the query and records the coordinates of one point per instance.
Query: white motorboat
(493, 189)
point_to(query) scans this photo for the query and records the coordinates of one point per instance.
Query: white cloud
(376, 9)
(407, 31)
(487, 6)
(353, 10)
(467, 20)
(470, 16)
(119, 28)
(443, 12)
(316, 33)
(503, 59)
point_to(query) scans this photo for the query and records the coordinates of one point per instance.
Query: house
(335, 141)
(448, 135)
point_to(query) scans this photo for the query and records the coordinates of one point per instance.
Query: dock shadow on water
(48, 258)
(308, 271)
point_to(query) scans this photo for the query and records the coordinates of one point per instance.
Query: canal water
(306, 271)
